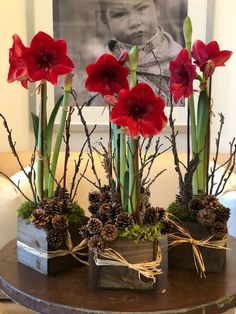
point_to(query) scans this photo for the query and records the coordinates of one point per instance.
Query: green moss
(141, 232)
(177, 210)
(25, 209)
(77, 214)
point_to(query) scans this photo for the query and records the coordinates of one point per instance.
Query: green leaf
(51, 123)
(126, 190)
(202, 136)
(35, 121)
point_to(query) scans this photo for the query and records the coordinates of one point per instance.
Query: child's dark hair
(103, 6)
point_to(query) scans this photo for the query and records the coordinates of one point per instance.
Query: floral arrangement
(53, 209)
(197, 200)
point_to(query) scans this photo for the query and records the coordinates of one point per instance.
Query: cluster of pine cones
(52, 214)
(211, 214)
(108, 217)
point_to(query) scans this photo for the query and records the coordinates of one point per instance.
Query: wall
(14, 104)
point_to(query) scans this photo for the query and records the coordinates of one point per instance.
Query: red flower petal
(46, 58)
(107, 76)
(140, 110)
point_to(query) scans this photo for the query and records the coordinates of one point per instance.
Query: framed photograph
(92, 27)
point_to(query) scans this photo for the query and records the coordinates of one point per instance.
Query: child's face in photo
(133, 22)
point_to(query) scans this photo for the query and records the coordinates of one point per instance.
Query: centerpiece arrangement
(124, 227)
(48, 221)
(200, 220)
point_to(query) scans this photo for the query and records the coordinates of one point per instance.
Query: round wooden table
(74, 291)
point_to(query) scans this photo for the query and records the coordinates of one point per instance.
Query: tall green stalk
(133, 143)
(68, 85)
(41, 146)
(123, 168)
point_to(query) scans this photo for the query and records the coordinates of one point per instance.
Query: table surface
(74, 291)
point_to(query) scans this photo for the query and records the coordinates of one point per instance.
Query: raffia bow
(110, 257)
(184, 236)
(74, 251)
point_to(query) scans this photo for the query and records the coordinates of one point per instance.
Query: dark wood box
(35, 238)
(181, 256)
(119, 277)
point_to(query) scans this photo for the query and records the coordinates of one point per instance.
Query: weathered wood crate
(119, 277)
(181, 256)
(32, 249)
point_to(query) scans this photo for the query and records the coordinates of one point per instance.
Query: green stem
(58, 143)
(193, 139)
(202, 135)
(41, 147)
(123, 167)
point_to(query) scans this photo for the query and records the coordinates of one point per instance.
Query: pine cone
(211, 202)
(109, 232)
(94, 197)
(195, 204)
(166, 228)
(219, 230)
(62, 194)
(222, 214)
(206, 217)
(60, 222)
(105, 188)
(83, 231)
(96, 244)
(103, 213)
(153, 215)
(54, 206)
(124, 220)
(40, 218)
(94, 226)
(93, 208)
(55, 239)
(114, 210)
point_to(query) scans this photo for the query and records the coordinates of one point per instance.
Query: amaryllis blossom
(107, 76)
(182, 74)
(209, 56)
(46, 58)
(140, 110)
(18, 70)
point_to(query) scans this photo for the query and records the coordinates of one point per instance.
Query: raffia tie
(111, 257)
(74, 251)
(184, 236)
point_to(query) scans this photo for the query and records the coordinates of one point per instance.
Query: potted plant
(123, 229)
(198, 238)
(47, 240)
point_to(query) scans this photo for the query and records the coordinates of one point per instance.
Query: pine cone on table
(55, 239)
(40, 218)
(96, 244)
(206, 217)
(124, 220)
(109, 232)
(94, 226)
(219, 230)
(60, 222)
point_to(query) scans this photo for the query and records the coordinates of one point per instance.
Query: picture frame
(40, 17)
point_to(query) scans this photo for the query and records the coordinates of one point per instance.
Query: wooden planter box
(28, 236)
(119, 277)
(181, 256)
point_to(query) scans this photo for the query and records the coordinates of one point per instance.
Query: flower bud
(133, 58)
(123, 57)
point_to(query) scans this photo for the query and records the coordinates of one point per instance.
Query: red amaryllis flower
(182, 74)
(209, 56)
(140, 110)
(46, 58)
(18, 70)
(107, 76)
